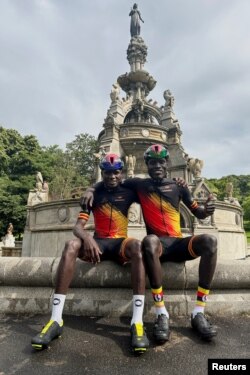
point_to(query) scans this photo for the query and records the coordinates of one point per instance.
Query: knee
(71, 249)
(150, 245)
(209, 244)
(135, 250)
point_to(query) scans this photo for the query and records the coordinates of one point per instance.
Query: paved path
(100, 346)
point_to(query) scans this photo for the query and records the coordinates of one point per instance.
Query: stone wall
(49, 225)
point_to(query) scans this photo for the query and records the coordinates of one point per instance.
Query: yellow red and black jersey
(160, 203)
(110, 211)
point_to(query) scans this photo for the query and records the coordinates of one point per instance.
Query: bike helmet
(111, 162)
(156, 152)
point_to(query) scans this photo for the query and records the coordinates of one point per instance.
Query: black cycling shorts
(112, 249)
(177, 249)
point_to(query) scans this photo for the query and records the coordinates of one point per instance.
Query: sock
(138, 307)
(159, 302)
(201, 300)
(57, 307)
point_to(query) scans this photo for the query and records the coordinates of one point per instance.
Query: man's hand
(210, 205)
(92, 251)
(180, 181)
(86, 200)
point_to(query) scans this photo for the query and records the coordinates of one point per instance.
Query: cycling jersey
(110, 210)
(160, 203)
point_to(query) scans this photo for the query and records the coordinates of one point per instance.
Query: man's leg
(151, 249)
(132, 252)
(65, 274)
(204, 246)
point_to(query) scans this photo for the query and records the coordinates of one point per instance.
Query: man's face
(112, 179)
(157, 168)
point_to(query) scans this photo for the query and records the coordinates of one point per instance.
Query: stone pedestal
(36, 196)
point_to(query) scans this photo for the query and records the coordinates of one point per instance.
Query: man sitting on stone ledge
(160, 201)
(110, 242)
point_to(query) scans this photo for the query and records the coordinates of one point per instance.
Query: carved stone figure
(195, 166)
(41, 192)
(134, 214)
(9, 239)
(39, 181)
(130, 163)
(169, 98)
(98, 157)
(135, 27)
(10, 228)
(115, 92)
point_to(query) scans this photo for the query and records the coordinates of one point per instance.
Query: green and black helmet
(156, 152)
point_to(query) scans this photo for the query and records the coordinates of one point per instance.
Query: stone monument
(133, 122)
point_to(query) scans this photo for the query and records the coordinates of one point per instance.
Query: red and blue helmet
(111, 162)
(156, 152)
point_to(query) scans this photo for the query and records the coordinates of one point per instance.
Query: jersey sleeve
(131, 183)
(188, 199)
(84, 215)
(193, 205)
(98, 186)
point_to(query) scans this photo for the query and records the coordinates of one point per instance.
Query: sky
(59, 59)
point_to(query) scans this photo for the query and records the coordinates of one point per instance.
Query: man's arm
(91, 248)
(207, 210)
(86, 201)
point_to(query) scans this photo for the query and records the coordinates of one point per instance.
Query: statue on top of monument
(195, 166)
(135, 21)
(115, 92)
(169, 98)
(39, 181)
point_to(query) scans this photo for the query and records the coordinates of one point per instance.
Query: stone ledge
(117, 302)
(41, 272)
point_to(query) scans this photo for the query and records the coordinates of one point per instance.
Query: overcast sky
(59, 59)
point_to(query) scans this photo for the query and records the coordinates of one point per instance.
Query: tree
(21, 158)
(246, 208)
(73, 168)
(241, 186)
(81, 152)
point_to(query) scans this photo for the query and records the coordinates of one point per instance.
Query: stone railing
(11, 251)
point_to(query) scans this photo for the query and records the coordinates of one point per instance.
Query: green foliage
(13, 205)
(241, 190)
(81, 154)
(247, 229)
(246, 208)
(21, 158)
(74, 167)
(241, 186)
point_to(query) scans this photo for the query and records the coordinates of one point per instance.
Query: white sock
(161, 310)
(57, 307)
(198, 309)
(138, 307)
